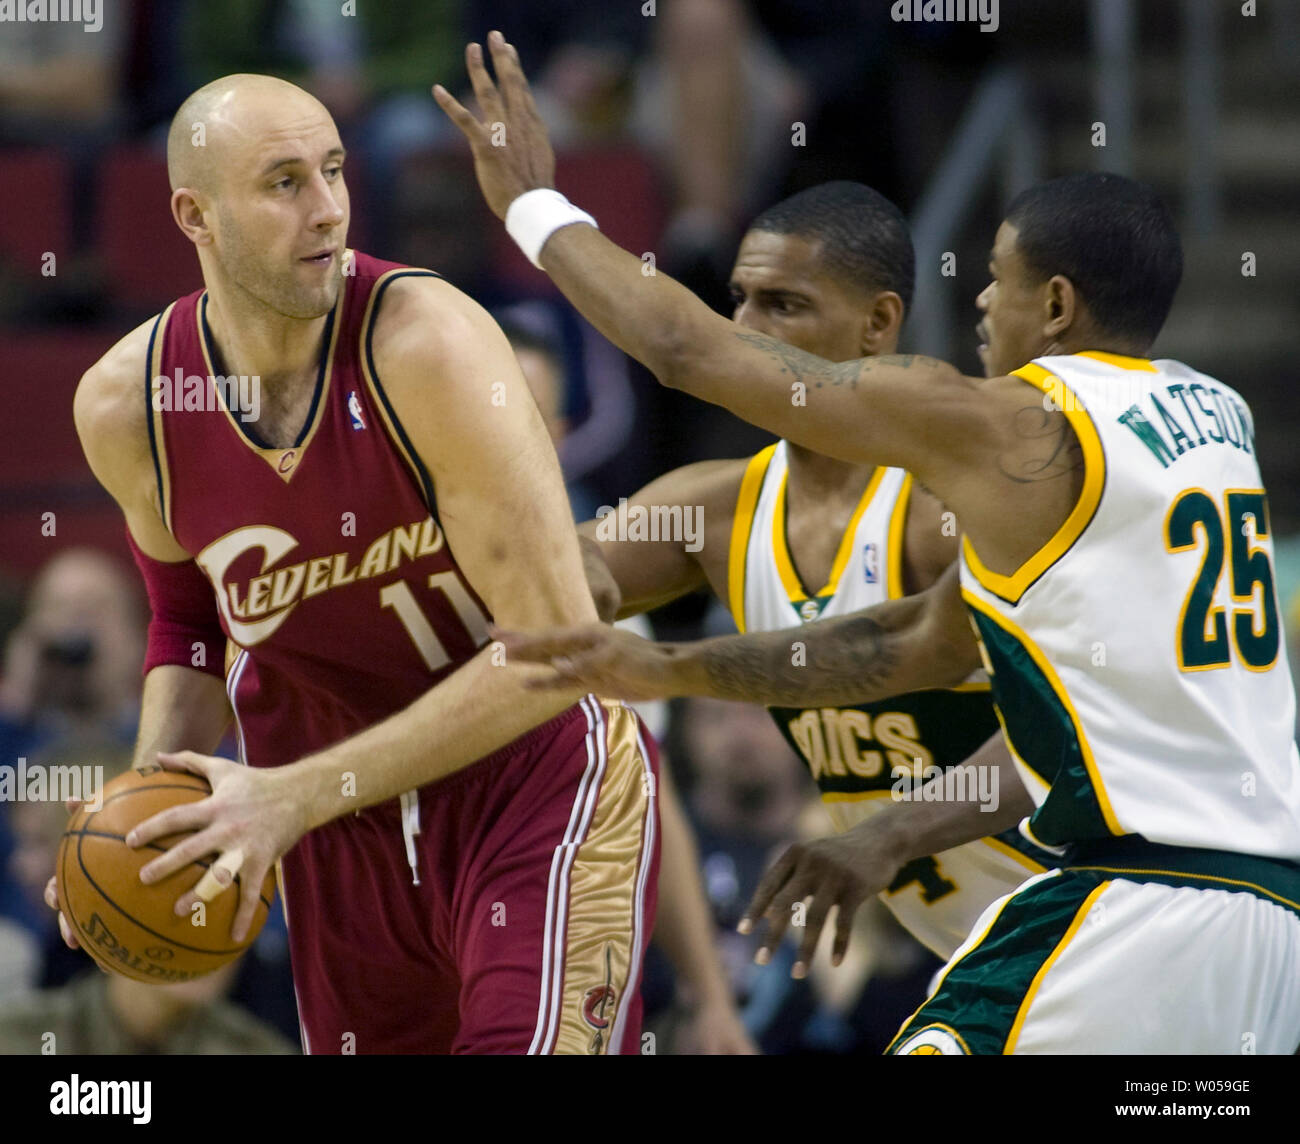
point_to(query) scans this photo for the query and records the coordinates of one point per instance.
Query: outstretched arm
(918, 642)
(915, 412)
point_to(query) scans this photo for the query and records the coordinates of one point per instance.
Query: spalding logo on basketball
(126, 926)
(931, 1042)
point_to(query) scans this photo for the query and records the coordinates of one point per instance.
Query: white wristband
(536, 215)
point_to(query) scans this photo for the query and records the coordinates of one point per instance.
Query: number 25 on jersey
(1204, 632)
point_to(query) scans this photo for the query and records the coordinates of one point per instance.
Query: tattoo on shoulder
(817, 372)
(1056, 451)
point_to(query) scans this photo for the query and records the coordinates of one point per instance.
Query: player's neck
(816, 476)
(254, 341)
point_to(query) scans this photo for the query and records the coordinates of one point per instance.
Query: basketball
(129, 927)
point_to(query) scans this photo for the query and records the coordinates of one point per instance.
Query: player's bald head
(236, 113)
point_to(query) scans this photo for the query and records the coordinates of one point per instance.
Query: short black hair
(864, 237)
(1113, 238)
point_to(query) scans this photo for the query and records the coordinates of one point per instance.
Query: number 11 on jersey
(402, 600)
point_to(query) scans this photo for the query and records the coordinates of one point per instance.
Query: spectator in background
(744, 795)
(106, 1013)
(72, 666)
(71, 672)
(372, 64)
(60, 87)
(59, 80)
(695, 81)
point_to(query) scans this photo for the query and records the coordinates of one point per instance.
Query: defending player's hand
(512, 153)
(607, 661)
(843, 870)
(251, 818)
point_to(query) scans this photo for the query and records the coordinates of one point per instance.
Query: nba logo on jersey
(870, 573)
(354, 408)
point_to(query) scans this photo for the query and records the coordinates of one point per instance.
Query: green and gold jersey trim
(742, 524)
(1044, 731)
(897, 533)
(1011, 588)
(1134, 858)
(794, 587)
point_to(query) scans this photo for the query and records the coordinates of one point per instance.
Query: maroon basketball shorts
(505, 909)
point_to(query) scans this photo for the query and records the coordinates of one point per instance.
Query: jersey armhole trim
(154, 416)
(742, 524)
(1011, 588)
(897, 533)
(396, 433)
(1053, 681)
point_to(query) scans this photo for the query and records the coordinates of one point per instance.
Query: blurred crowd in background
(673, 129)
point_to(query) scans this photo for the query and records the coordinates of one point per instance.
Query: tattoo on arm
(843, 662)
(817, 372)
(1058, 453)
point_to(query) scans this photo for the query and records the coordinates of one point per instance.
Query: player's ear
(190, 216)
(881, 323)
(1060, 307)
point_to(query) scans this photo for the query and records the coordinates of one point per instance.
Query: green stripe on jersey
(1043, 736)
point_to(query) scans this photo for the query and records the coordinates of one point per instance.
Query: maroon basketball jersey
(334, 582)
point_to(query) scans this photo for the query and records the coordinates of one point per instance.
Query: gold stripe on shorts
(605, 927)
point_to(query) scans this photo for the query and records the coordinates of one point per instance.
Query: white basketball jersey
(1137, 659)
(857, 754)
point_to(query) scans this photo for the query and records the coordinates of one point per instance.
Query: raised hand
(512, 153)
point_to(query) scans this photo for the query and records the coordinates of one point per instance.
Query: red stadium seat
(148, 261)
(41, 467)
(35, 218)
(618, 185)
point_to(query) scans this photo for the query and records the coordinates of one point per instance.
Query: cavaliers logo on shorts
(598, 1006)
(932, 1041)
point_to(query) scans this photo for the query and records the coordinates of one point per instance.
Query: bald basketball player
(467, 865)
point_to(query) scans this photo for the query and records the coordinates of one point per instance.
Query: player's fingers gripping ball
(132, 928)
